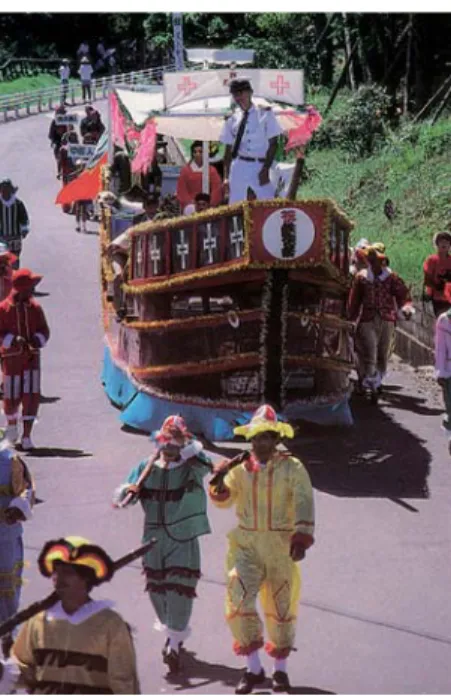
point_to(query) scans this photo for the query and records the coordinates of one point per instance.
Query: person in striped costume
(79, 645)
(14, 220)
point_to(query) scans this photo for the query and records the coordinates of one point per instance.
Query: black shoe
(248, 681)
(165, 648)
(172, 659)
(280, 682)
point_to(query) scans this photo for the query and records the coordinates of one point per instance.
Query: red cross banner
(285, 86)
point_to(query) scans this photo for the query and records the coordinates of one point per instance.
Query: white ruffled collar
(10, 201)
(195, 167)
(190, 450)
(57, 613)
(385, 273)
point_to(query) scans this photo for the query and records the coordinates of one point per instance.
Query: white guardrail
(37, 101)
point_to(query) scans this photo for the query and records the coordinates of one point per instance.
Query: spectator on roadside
(64, 73)
(83, 50)
(110, 60)
(100, 54)
(85, 71)
(92, 123)
(437, 271)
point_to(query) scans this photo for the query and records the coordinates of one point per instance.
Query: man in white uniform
(250, 136)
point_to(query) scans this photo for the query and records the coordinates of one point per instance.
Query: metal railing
(37, 101)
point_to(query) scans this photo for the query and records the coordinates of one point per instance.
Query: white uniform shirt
(261, 126)
(64, 71)
(85, 72)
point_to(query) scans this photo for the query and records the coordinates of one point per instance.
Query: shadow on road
(49, 399)
(205, 673)
(55, 452)
(414, 404)
(375, 458)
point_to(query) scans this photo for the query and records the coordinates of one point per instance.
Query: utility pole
(177, 26)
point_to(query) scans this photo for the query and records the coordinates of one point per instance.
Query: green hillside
(413, 169)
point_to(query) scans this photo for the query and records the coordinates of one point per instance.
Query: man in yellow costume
(79, 645)
(274, 505)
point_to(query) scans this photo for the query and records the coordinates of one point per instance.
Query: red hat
(173, 426)
(23, 279)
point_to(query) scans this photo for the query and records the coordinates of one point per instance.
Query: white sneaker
(27, 444)
(12, 433)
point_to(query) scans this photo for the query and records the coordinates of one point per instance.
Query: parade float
(235, 306)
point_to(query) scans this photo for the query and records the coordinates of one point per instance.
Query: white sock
(280, 664)
(174, 643)
(253, 662)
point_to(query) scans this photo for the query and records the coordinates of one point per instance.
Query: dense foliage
(406, 54)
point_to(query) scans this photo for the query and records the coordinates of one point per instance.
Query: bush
(360, 129)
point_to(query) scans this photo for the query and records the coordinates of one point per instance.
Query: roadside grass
(413, 169)
(28, 84)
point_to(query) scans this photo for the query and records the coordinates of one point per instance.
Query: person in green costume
(170, 488)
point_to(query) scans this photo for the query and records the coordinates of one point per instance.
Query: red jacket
(189, 184)
(26, 319)
(383, 295)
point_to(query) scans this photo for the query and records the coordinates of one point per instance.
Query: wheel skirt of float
(145, 412)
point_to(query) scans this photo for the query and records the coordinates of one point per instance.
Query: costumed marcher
(23, 332)
(175, 508)
(7, 261)
(443, 360)
(274, 505)
(56, 132)
(437, 271)
(250, 136)
(80, 645)
(16, 501)
(67, 164)
(378, 298)
(14, 220)
(189, 182)
(92, 124)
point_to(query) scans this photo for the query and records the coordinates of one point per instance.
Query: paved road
(375, 614)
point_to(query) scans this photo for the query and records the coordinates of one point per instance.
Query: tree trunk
(349, 61)
(340, 80)
(408, 61)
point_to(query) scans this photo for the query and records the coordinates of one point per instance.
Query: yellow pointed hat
(264, 420)
(76, 551)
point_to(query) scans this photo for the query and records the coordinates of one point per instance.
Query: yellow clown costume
(87, 652)
(274, 506)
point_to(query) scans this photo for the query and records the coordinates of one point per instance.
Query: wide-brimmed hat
(264, 420)
(23, 279)
(8, 182)
(79, 552)
(173, 427)
(442, 235)
(6, 254)
(239, 84)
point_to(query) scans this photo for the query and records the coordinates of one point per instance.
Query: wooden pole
(431, 101)
(441, 106)
(407, 74)
(296, 178)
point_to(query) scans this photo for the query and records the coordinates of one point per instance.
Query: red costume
(7, 259)
(23, 332)
(189, 184)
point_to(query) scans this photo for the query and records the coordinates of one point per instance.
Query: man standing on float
(250, 135)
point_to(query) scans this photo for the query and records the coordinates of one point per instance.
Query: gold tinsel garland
(192, 322)
(222, 364)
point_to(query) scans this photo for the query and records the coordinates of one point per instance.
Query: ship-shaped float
(239, 305)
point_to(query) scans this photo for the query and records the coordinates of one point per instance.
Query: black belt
(251, 159)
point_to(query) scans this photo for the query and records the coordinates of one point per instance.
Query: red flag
(85, 187)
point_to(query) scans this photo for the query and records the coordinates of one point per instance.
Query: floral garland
(192, 322)
(201, 367)
(265, 308)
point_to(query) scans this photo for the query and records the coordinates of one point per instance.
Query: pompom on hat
(173, 427)
(264, 420)
(79, 552)
(24, 279)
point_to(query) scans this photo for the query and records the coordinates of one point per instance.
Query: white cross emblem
(210, 243)
(182, 250)
(139, 257)
(236, 237)
(155, 255)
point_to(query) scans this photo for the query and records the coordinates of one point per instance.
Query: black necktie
(239, 135)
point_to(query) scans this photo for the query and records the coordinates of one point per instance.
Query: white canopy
(196, 120)
(240, 56)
